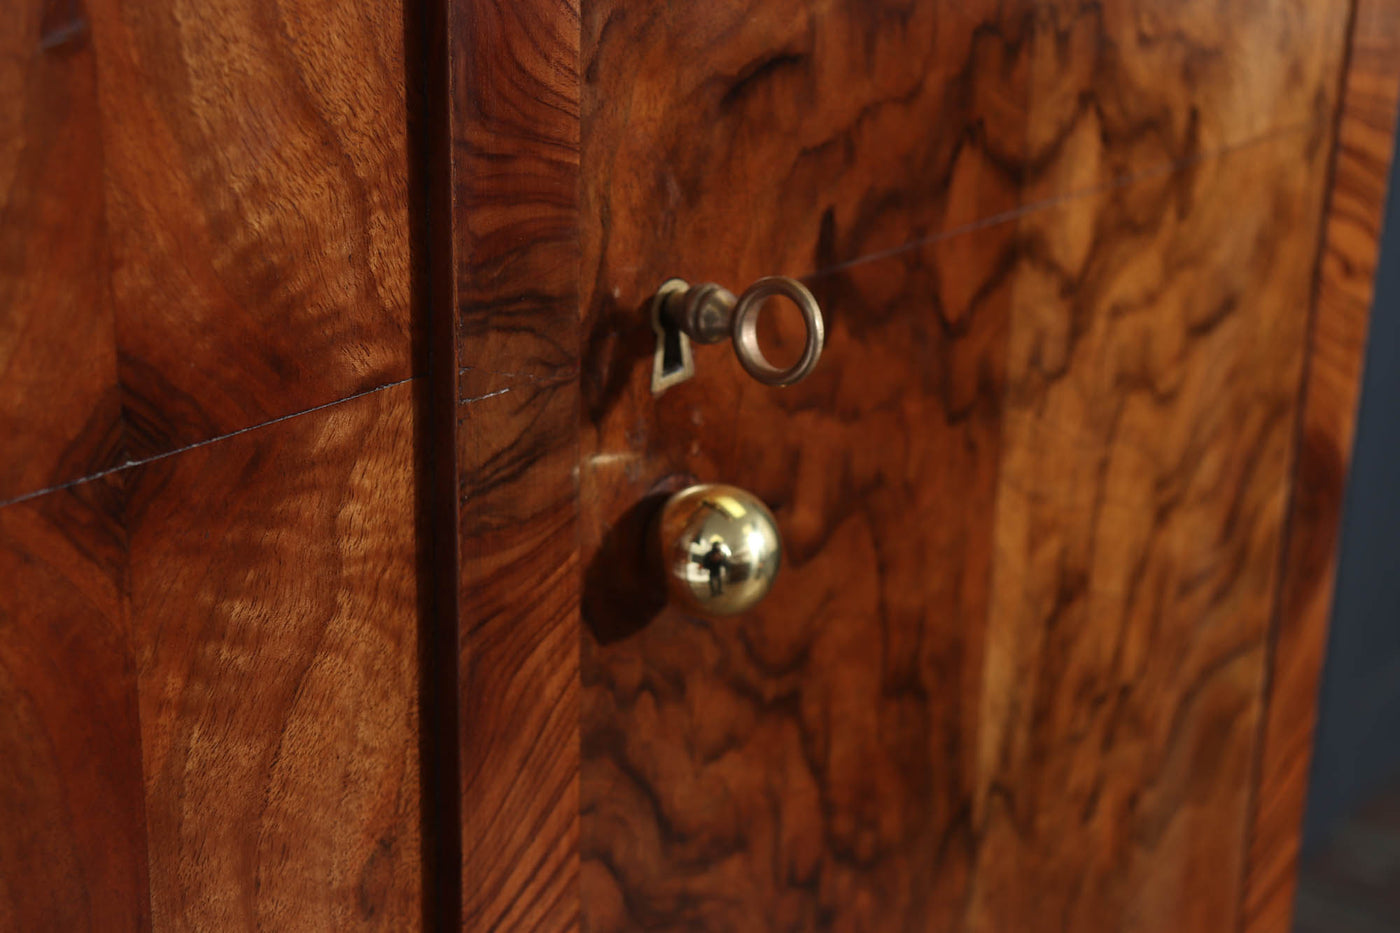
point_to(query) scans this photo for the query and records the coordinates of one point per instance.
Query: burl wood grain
(1147, 450)
(1122, 87)
(799, 767)
(73, 847)
(513, 132)
(728, 141)
(60, 415)
(274, 609)
(1347, 267)
(257, 208)
(1033, 498)
(790, 769)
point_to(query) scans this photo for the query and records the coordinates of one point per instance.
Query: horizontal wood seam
(132, 464)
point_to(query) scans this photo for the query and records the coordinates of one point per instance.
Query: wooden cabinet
(325, 403)
(210, 597)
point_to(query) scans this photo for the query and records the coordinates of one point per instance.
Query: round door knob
(719, 547)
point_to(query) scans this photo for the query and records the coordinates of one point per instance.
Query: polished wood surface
(276, 641)
(1153, 367)
(60, 411)
(1054, 590)
(1051, 441)
(1123, 87)
(211, 591)
(1346, 271)
(513, 141)
(787, 769)
(257, 209)
(729, 141)
(73, 849)
(790, 768)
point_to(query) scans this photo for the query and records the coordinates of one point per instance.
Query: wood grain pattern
(790, 770)
(1351, 241)
(60, 413)
(724, 142)
(799, 767)
(257, 205)
(73, 849)
(1153, 370)
(1121, 87)
(514, 131)
(274, 607)
(519, 658)
(205, 219)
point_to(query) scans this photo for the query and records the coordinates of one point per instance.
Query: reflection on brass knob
(708, 313)
(719, 547)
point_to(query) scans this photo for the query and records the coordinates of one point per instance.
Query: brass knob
(708, 313)
(719, 547)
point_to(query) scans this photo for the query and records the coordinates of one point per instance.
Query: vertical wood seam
(431, 183)
(1285, 534)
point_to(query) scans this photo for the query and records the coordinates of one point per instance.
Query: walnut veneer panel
(843, 756)
(73, 849)
(257, 208)
(799, 767)
(513, 135)
(725, 141)
(1345, 287)
(729, 141)
(1126, 86)
(274, 604)
(60, 414)
(1154, 365)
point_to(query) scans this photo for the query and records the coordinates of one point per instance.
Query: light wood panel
(274, 606)
(1345, 286)
(257, 208)
(1154, 362)
(73, 849)
(207, 204)
(60, 413)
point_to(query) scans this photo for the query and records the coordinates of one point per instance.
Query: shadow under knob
(719, 548)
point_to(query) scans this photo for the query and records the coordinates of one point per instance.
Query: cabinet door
(1016, 672)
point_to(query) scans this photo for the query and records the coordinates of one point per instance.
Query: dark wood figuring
(274, 605)
(785, 770)
(845, 757)
(513, 136)
(1122, 87)
(60, 413)
(1014, 674)
(519, 660)
(841, 757)
(1346, 270)
(73, 849)
(723, 142)
(257, 208)
(797, 767)
(1154, 362)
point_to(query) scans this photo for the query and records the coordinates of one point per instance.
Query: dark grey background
(1357, 751)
